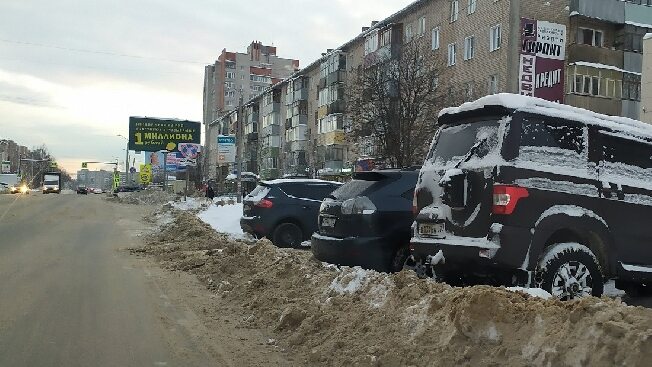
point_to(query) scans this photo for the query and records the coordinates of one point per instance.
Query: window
(435, 38)
(493, 84)
(229, 93)
(469, 47)
(451, 54)
(371, 43)
(230, 75)
(494, 38)
(229, 103)
(455, 9)
(422, 25)
(468, 91)
(386, 37)
(630, 152)
(408, 32)
(552, 141)
(590, 37)
(631, 87)
(471, 7)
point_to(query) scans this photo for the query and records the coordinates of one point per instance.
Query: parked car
(366, 222)
(81, 189)
(520, 191)
(285, 210)
(127, 188)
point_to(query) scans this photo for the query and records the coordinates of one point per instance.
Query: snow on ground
(190, 204)
(534, 292)
(224, 218)
(610, 290)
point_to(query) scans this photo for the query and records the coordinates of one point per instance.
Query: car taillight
(415, 204)
(265, 203)
(506, 197)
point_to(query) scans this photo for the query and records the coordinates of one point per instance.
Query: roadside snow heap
(350, 316)
(150, 197)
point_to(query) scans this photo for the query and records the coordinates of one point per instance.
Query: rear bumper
(254, 226)
(368, 252)
(507, 253)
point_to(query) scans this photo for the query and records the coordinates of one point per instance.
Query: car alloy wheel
(287, 235)
(569, 271)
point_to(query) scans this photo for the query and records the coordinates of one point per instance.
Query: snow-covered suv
(520, 191)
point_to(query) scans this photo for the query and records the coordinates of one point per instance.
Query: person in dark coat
(210, 193)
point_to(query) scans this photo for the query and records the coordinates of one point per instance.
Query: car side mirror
(454, 186)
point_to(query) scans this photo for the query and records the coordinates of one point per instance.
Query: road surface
(70, 297)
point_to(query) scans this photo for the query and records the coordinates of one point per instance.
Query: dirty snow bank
(224, 218)
(147, 197)
(328, 316)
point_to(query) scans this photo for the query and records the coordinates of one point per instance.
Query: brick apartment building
(586, 53)
(12, 152)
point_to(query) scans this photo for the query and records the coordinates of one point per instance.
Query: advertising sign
(225, 149)
(145, 173)
(116, 179)
(152, 134)
(6, 167)
(541, 65)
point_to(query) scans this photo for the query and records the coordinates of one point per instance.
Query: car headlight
(24, 189)
(324, 204)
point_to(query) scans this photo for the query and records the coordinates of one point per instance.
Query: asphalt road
(70, 297)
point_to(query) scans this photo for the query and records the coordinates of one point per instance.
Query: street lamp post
(126, 160)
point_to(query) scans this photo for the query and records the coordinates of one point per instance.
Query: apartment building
(12, 152)
(237, 74)
(646, 81)
(586, 53)
(606, 53)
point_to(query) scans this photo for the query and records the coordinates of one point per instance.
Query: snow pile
(329, 316)
(144, 197)
(190, 203)
(224, 219)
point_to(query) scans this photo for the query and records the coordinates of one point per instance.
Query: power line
(108, 53)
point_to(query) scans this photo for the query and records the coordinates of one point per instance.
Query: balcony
(270, 130)
(606, 10)
(252, 136)
(601, 55)
(272, 107)
(301, 94)
(335, 77)
(336, 107)
(336, 137)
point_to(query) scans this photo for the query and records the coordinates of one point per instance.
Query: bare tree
(394, 102)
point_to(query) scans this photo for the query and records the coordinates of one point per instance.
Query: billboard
(6, 167)
(175, 161)
(225, 149)
(153, 134)
(541, 59)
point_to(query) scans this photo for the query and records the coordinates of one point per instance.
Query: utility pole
(239, 148)
(165, 171)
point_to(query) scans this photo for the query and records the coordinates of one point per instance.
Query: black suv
(286, 210)
(520, 191)
(366, 222)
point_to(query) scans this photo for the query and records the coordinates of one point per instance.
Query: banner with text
(225, 149)
(153, 134)
(541, 66)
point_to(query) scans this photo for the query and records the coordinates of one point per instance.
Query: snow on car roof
(299, 180)
(552, 109)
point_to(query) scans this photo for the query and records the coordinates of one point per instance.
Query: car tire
(287, 235)
(570, 271)
(398, 260)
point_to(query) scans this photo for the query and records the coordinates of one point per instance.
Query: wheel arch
(588, 230)
(293, 220)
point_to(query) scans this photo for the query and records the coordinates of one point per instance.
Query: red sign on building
(542, 55)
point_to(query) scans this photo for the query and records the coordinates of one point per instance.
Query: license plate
(431, 229)
(328, 222)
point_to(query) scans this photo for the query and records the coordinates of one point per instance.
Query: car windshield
(454, 143)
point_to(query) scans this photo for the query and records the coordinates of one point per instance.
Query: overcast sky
(63, 83)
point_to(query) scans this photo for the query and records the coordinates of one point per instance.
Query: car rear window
(455, 142)
(361, 185)
(312, 191)
(258, 193)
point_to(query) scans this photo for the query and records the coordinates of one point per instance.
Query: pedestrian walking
(210, 193)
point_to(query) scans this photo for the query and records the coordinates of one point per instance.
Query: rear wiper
(472, 151)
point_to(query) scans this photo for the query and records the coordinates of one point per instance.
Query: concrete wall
(608, 10)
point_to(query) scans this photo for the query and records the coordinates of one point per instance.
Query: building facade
(646, 81)
(585, 53)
